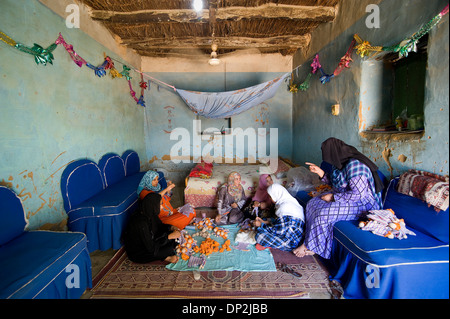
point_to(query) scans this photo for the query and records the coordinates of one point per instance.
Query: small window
(214, 126)
(409, 86)
(393, 88)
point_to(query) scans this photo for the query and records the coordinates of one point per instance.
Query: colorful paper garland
(45, 55)
(363, 49)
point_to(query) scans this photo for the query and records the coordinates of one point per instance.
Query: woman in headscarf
(261, 198)
(231, 201)
(287, 231)
(150, 183)
(145, 237)
(356, 190)
(261, 201)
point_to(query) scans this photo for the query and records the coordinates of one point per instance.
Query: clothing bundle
(202, 170)
(384, 223)
(430, 188)
(186, 210)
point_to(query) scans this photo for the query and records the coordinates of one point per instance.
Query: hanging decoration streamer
(41, 55)
(7, 39)
(305, 85)
(345, 60)
(325, 78)
(364, 49)
(292, 87)
(411, 44)
(45, 55)
(69, 48)
(315, 64)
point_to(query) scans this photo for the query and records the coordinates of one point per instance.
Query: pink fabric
(261, 194)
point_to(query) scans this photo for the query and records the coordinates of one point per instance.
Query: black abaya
(146, 237)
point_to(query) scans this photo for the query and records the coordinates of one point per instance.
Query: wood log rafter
(153, 32)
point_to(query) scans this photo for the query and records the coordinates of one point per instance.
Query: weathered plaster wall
(54, 114)
(312, 118)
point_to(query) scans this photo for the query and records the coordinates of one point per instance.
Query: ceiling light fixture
(214, 60)
(198, 5)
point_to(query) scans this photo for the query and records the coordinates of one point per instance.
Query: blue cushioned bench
(371, 266)
(39, 264)
(99, 198)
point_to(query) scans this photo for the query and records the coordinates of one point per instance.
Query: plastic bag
(301, 179)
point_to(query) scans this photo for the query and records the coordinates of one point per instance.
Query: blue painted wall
(359, 88)
(166, 111)
(54, 114)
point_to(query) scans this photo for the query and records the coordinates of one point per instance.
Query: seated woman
(231, 201)
(287, 231)
(145, 237)
(356, 190)
(168, 215)
(262, 205)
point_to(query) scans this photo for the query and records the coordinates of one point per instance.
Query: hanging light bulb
(214, 60)
(198, 5)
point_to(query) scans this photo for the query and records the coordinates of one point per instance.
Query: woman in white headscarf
(287, 231)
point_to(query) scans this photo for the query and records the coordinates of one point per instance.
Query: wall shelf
(393, 135)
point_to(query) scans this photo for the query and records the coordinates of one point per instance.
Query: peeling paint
(386, 156)
(154, 158)
(402, 158)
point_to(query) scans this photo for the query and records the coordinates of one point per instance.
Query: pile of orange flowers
(209, 246)
(220, 232)
(206, 223)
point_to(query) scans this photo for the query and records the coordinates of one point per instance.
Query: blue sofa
(39, 264)
(98, 199)
(370, 266)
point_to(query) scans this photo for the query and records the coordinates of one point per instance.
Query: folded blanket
(431, 188)
(202, 170)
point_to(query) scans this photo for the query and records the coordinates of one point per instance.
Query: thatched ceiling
(164, 28)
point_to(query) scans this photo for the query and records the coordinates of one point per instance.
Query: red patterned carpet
(122, 278)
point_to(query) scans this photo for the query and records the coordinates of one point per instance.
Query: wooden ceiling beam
(222, 42)
(266, 11)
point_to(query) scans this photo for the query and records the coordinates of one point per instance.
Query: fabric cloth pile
(202, 170)
(384, 223)
(431, 188)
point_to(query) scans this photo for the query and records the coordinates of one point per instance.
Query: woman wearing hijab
(168, 215)
(287, 231)
(262, 198)
(231, 201)
(261, 201)
(145, 237)
(356, 190)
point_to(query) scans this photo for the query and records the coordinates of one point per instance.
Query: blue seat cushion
(112, 168)
(131, 162)
(33, 260)
(80, 180)
(111, 201)
(12, 217)
(385, 252)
